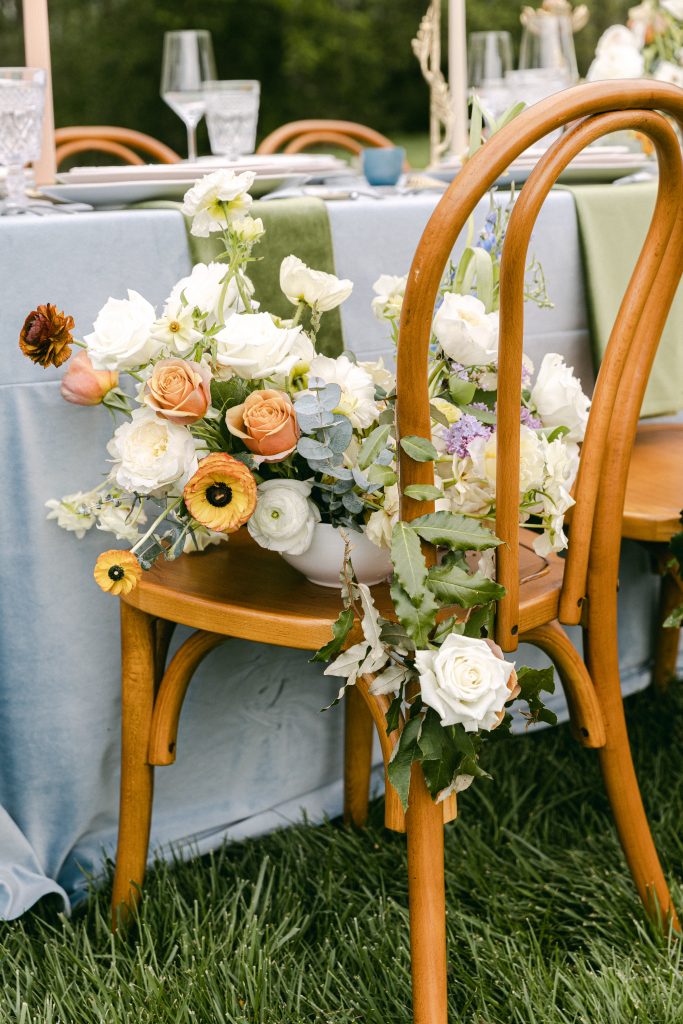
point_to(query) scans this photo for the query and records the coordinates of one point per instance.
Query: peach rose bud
(179, 390)
(83, 385)
(266, 423)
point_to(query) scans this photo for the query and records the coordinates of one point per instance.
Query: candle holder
(427, 48)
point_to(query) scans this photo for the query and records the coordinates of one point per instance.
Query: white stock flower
(314, 287)
(465, 682)
(674, 8)
(389, 291)
(357, 387)
(465, 331)
(617, 55)
(217, 199)
(254, 347)
(558, 398)
(380, 524)
(152, 455)
(202, 290)
(72, 513)
(175, 329)
(483, 453)
(122, 521)
(122, 334)
(285, 516)
(667, 71)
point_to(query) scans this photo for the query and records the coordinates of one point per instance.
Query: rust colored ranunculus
(266, 423)
(83, 385)
(179, 390)
(46, 336)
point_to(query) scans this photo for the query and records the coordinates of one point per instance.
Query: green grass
(310, 924)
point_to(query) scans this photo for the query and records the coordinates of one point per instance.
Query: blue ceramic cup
(383, 166)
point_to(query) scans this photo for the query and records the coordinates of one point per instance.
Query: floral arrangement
(226, 416)
(650, 45)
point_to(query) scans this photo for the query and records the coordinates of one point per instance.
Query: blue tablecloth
(253, 749)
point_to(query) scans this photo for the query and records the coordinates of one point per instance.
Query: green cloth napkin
(299, 226)
(613, 222)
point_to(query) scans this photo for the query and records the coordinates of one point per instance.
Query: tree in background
(314, 58)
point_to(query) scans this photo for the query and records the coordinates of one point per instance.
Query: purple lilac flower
(460, 371)
(527, 418)
(460, 435)
(526, 376)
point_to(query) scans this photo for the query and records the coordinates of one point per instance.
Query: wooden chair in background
(243, 591)
(118, 142)
(299, 135)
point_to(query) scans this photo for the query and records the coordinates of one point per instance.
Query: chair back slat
(435, 247)
(314, 130)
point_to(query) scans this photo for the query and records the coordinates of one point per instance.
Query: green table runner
(298, 226)
(613, 222)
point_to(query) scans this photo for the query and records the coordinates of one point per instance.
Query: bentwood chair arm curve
(298, 135)
(121, 142)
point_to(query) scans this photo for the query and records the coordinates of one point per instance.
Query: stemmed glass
(22, 102)
(188, 63)
(547, 50)
(489, 60)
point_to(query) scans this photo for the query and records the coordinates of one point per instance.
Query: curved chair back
(120, 142)
(597, 109)
(299, 135)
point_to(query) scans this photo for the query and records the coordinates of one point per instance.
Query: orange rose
(266, 423)
(179, 390)
(83, 385)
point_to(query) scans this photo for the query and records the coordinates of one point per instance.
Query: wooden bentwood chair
(240, 590)
(118, 142)
(300, 135)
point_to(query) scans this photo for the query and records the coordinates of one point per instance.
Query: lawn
(311, 925)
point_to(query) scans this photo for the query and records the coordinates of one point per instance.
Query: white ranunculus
(617, 55)
(381, 376)
(122, 521)
(122, 334)
(465, 331)
(465, 682)
(285, 516)
(202, 290)
(216, 199)
(72, 513)
(314, 287)
(175, 330)
(558, 398)
(674, 8)
(379, 526)
(389, 291)
(152, 455)
(248, 229)
(357, 387)
(667, 71)
(483, 453)
(252, 346)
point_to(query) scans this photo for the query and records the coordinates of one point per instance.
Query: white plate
(115, 194)
(270, 166)
(591, 169)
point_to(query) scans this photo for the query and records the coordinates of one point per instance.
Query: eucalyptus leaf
(454, 531)
(456, 586)
(310, 422)
(339, 434)
(352, 503)
(330, 396)
(312, 449)
(408, 560)
(384, 475)
(373, 445)
(419, 449)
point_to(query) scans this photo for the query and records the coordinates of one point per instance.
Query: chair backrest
(595, 531)
(120, 142)
(299, 135)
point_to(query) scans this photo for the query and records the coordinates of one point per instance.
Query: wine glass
(489, 59)
(547, 50)
(22, 102)
(188, 63)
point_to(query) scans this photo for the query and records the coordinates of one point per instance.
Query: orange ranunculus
(46, 336)
(117, 572)
(266, 423)
(222, 493)
(179, 390)
(83, 385)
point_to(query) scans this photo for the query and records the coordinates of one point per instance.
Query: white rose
(558, 398)
(202, 290)
(152, 455)
(285, 516)
(175, 330)
(483, 453)
(673, 7)
(464, 682)
(465, 331)
(379, 526)
(389, 291)
(357, 387)
(121, 521)
(617, 55)
(122, 334)
(72, 513)
(217, 199)
(667, 71)
(252, 346)
(314, 287)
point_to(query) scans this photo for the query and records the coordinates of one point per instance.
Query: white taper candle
(37, 55)
(457, 73)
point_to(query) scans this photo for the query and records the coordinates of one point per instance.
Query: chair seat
(239, 589)
(654, 490)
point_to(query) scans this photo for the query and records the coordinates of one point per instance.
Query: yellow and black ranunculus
(222, 493)
(117, 572)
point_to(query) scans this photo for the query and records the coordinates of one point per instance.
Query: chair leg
(424, 823)
(621, 783)
(135, 806)
(666, 639)
(358, 729)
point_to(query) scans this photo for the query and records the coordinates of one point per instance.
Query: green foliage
(419, 449)
(533, 682)
(454, 585)
(454, 531)
(408, 561)
(340, 630)
(417, 619)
